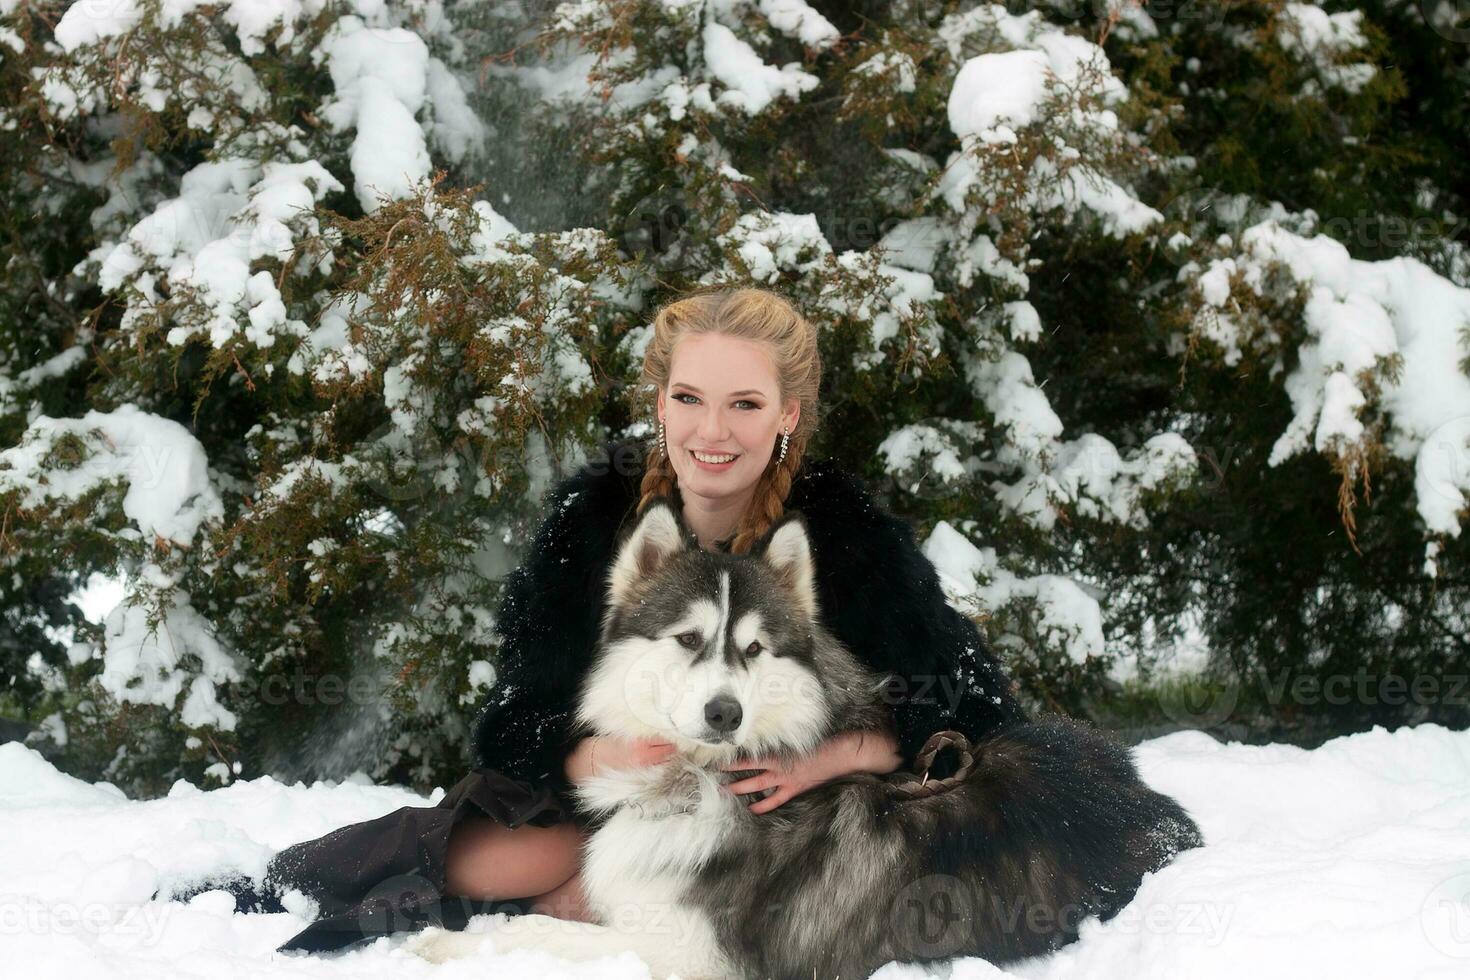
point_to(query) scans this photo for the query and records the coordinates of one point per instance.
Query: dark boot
(386, 875)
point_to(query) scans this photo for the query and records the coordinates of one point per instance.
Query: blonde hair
(768, 319)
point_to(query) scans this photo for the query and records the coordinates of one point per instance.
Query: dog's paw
(442, 945)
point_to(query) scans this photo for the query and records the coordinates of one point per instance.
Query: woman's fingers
(771, 802)
(610, 752)
(650, 753)
(752, 784)
(739, 764)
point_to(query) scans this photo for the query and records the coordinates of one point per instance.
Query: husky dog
(726, 657)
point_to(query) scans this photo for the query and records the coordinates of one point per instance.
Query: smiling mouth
(713, 457)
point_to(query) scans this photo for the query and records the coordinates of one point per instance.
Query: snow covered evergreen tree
(1152, 317)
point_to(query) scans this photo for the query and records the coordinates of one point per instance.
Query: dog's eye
(754, 648)
(689, 638)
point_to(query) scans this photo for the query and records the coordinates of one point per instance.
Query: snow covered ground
(1349, 861)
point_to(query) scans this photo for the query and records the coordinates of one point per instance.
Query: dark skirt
(387, 874)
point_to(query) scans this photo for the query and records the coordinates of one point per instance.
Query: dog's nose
(722, 713)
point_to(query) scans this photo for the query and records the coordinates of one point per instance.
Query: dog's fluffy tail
(1057, 827)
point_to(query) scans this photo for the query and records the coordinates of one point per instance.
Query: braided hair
(770, 320)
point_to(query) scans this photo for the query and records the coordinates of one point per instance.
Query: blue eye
(744, 404)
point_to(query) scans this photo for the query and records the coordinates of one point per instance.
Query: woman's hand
(597, 754)
(843, 753)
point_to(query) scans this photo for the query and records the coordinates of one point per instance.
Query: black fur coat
(878, 595)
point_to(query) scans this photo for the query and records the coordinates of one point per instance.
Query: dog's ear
(787, 548)
(657, 537)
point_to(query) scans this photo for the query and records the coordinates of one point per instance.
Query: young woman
(736, 374)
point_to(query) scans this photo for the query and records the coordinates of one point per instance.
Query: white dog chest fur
(666, 823)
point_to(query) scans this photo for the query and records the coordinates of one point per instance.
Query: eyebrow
(747, 391)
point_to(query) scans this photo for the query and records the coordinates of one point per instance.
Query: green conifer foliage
(1153, 318)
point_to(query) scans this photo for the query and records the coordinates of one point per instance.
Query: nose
(722, 714)
(712, 427)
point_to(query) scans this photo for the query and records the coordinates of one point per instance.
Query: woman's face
(722, 401)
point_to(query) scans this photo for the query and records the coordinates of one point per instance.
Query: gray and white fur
(726, 657)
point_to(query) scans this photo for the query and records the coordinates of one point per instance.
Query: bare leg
(488, 861)
(565, 901)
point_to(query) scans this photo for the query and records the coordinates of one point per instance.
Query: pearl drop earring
(662, 449)
(785, 439)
